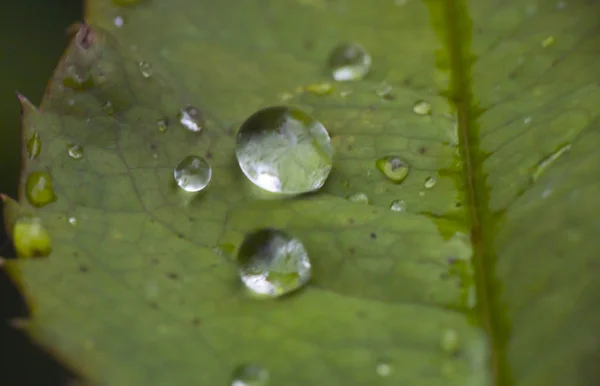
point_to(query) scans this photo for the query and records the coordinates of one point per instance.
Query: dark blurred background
(32, 39)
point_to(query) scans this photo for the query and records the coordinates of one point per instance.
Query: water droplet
(450, 342)
(383, 369)
(109, 108)
(76, 79)
(319, 89)
(75, 151)
(30, 238)
(162, 125)
(430, 182)
(39, 190)
(543, 165)
(349, 61)
(273, 263)
(398, 206)
(385, 91)
(34, 146)
(145, 69)
(359, 198)
(422, 107)
(547, 42)
(284, 150)
(192, 173)
(118, 21)
(191, 118)
(393, 168)
(72, 220)
(527, 120)
(250, 375)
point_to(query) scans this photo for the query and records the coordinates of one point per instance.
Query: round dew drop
(191, 118)
(284, 150)
(145, 69)
(359, 198)
(430, 182)
(30, 238)
(422, 108)
(192, 173)
(39, 190)
(394, 168)
(250, 375)
(273, 263)
(398, 206)
(75, 151)
(349, 61)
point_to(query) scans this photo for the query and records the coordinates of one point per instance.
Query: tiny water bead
(319, 89)
(349, 61)
(547, 42)
(30, 238)
(34, 146)
(394, 168)
(191, 118)
(72, 220)
(75, 151)
(145, 69)
(273, 263)
(430, 182)
(39, 190)
(192, 173)
(284, 150)
(422, 107)
(359, 198)
(162, 125)
(449, 341)
(250, 375)
(398, 206)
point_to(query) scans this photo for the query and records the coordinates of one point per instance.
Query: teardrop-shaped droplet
(284, 150)
(39, 190)
(398, 206)
(393, 168)
(273, 263)
(359, 198)
(349, 61)
(30, 238)
(75, 151)
(250, 375)
(430, 182)
(162, 125)
(422, 108)
(145, 69)
(191, 118)
(34, 146)
(319, 89)
(192, 173)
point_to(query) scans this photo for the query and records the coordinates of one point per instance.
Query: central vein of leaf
(453, 25)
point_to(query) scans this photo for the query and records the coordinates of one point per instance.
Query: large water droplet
(393, 168)
(39, 190)
(75, 151)
(359, 198)
(30, 238)
(398, 206)
(191, 118)
(422, 108)
(250, 375)
(430, 182)
(273, 263)
(145, 69)
(349, 61)
(34, 146)
(284, 150)
(192, 173)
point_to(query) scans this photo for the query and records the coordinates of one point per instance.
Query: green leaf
(488, 278)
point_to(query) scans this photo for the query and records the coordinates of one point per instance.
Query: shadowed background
(32, 39)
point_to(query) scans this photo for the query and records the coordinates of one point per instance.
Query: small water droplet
(145, 69)
(349, 61)
(192, 173)
(547, 42)
(72, 220)
(39, 190)
(398, 206)
(430, 182)
(34, 146)
(162, 125)
(109, 108)
(384, 91)
(449, 341)
(284, 150)
(527, 120)
(273, 263)
(319, 89)
(543, 165)
(30, 238)
(76, 78)
(191, 118)
(383, 369)
(75, 151)
(422, 107)
(250, 375)
(359, 198)
(118, 21)
(393, 167)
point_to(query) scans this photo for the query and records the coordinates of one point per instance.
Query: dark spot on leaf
(75, 254)
(352, 250)
(209, 155)
(308, 44)
(350, 147)
(196, 322)
(373, 235)
(372, 107)
(85, 37)
(452, 260)
(458, 205)
(154, 260)
(154, 305)
(512, 75)
(180, 236)
(422, 150)
(388, 96)
(83, 269)
(444, 275)
(172, 276)
(350, 221)
(361, 314)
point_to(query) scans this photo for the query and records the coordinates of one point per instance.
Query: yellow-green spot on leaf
(34, 146)
(39, 189)
(547, 42)
(319, 89)
(30, 238)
